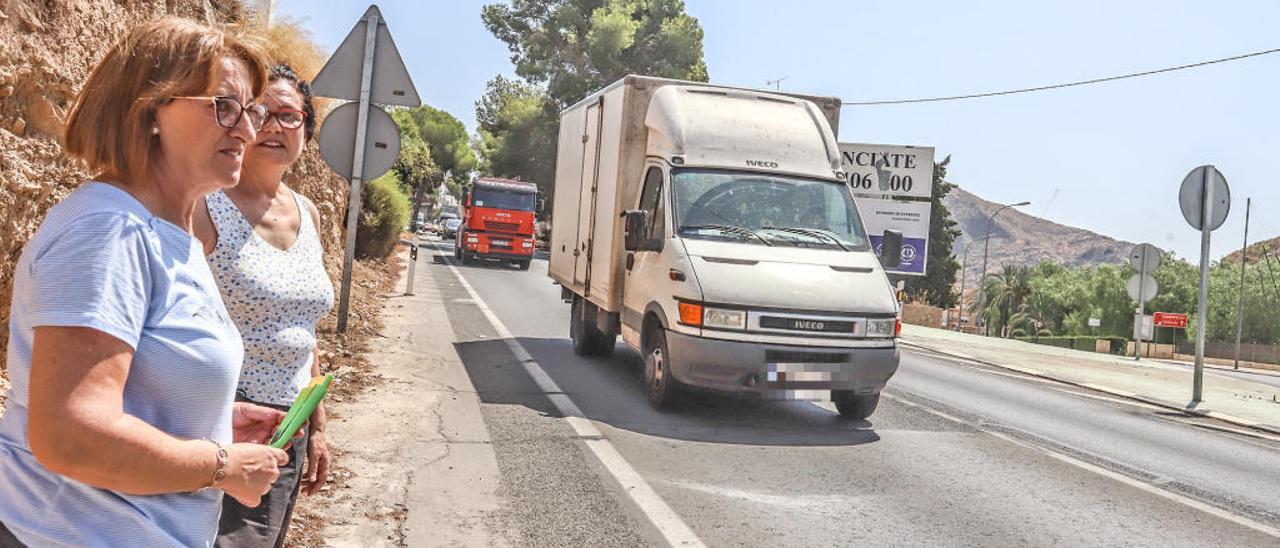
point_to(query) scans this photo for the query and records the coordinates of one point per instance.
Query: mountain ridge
(1019, 238)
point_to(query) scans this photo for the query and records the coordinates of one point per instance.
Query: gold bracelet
(223, 459)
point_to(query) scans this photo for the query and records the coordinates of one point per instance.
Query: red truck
(497, 222)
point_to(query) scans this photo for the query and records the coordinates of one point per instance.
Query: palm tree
(1006, 292)
(1037, 312)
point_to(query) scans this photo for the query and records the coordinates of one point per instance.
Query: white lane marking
(1116, 476)
(795, 502)
(663, 518)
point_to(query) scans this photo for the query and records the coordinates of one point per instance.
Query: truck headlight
(724, 318)
(882, 327)
(697, 315)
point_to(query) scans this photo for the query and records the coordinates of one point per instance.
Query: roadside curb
(1271, 370)
(1238, 421)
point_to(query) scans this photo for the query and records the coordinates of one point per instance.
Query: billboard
(892, 186)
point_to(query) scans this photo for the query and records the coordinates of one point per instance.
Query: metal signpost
(357, 141)
(1145, 259)
(893, 190)
(1171, 320)
(1205, 200)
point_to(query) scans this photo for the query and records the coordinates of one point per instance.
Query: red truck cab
(498, 218)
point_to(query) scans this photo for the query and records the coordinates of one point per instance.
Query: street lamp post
(964, 274)
(982, 279)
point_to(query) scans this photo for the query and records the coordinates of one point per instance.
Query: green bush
(1086, 343)
(384, 214)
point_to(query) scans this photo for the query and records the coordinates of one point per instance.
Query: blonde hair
(110, 125)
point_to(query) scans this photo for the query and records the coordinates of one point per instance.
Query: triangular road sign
(390, 84)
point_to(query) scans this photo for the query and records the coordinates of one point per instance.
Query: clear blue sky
(1114, 153)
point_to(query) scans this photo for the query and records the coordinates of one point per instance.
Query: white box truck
(713, 229)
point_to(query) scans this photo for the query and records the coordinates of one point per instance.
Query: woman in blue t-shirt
(121, 429)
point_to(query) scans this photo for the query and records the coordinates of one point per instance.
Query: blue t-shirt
(101, 260)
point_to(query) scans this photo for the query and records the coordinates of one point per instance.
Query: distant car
(449, 228)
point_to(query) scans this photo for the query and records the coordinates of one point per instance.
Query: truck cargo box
(603, 143)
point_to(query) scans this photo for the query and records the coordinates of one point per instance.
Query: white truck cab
(713, 229)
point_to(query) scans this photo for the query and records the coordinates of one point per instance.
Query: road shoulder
(417, 467)
(1234, 400)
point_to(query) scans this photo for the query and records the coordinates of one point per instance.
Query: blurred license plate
(503, 243)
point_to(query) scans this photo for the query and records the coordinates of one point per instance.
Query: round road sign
(1145, 257)
(1149, 287)
(1191, 197)
(338, 141)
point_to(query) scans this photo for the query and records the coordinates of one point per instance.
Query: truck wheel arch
(655, 310)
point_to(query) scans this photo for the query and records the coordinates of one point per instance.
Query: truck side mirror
(633, 236)
(542, 205)
(891, 249)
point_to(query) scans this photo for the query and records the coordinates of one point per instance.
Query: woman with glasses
(263, 243)
(121, 427)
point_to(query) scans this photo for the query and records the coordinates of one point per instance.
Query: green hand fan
(301, 410)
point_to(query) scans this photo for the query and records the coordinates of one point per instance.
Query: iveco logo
(810, 325)
(762, 163)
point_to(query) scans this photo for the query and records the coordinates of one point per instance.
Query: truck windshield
(765, 209)
(504, 199)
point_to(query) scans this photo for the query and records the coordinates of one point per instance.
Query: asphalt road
(956, 455)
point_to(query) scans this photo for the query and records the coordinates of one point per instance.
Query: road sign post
(366, 69)
(357, 168)
(1145, 259)
(1205, 200)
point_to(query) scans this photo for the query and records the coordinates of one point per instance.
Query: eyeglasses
(289, 118)
(227, 111)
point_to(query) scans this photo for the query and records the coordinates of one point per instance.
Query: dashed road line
(663, 518)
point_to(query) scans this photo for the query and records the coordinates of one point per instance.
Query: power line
(1060, 86)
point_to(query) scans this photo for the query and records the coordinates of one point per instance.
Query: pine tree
(936, 286)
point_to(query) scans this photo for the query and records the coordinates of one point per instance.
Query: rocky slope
(1018, 238)
(46, 51)
(1269, 247)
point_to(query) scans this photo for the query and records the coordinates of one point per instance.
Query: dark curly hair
(285, 72)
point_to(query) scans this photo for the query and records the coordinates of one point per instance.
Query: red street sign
(1170, 319)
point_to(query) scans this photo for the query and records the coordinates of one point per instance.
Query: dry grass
(288, 42)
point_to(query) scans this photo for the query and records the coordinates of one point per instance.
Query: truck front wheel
(853, 406)
(660, 386)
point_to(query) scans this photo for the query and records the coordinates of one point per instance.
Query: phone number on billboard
(864, 181)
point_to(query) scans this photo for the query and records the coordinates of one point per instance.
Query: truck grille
(499, 225)
(807, 325)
